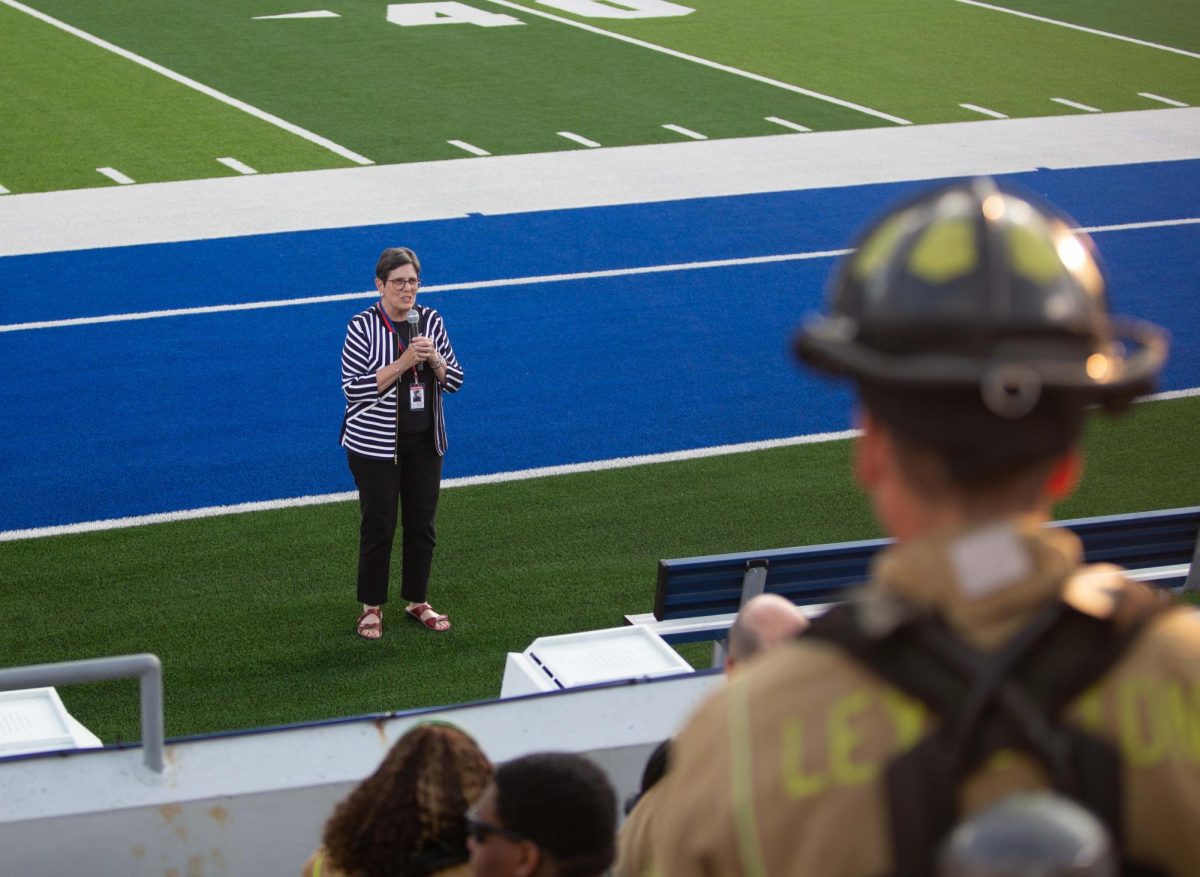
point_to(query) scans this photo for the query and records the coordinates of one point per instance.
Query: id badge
(416, 397)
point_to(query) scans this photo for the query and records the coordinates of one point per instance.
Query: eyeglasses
(479, 831)
(402, 282)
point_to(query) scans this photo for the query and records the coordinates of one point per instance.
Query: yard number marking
(453, 12)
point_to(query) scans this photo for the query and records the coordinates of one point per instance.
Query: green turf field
(253, 615)
(391, 92)
(921, 59)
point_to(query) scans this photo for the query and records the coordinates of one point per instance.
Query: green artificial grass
(921, 59)
(70, 107)
(253, 615)
(1171, 23)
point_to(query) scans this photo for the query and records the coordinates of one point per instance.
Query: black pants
(412, 483)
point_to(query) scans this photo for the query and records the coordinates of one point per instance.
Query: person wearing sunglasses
(549, 814)
(397, 362)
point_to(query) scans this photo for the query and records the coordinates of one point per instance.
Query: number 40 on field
(453, 12)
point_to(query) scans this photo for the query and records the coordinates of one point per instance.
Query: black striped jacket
(369, 425)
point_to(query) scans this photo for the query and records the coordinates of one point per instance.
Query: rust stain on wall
(219, 815)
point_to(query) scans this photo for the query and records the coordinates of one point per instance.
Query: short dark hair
(563, 803)
(977, 448)
(392, 258)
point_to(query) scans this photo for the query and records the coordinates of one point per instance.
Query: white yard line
(468, 147)
(240, 167)
(1166, 100)
(193, 84)
(503, 282)
(975, 108)
(725, 68)
(1080, 27)
(580, 139)
(469, 481)
(1074, 104)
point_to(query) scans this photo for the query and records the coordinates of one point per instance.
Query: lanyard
(399, 344)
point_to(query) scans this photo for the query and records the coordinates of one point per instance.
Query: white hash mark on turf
(785, 123)
(115, 175)
(236, 165)
(1074, 105)
(1161, 99)
(468, 147)
(975, 108)
(579, 138)
(686, 132)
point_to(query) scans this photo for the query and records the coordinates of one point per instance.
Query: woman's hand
(423, 348)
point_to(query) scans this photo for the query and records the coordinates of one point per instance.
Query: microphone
(413, 318)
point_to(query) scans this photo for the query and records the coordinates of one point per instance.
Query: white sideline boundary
(236, 206)
(469, 481)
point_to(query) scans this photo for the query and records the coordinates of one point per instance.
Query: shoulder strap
(1012, 698)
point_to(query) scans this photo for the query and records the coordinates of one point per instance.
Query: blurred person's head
(974, 323)
(765, 621)
(549, 814)
(409, 816)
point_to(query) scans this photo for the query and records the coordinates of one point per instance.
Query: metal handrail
(146, 667)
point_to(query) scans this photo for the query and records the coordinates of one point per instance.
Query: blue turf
(131, 418)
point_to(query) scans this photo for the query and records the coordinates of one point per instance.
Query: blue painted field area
(144, 416)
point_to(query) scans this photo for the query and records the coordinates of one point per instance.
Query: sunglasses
(479, 831)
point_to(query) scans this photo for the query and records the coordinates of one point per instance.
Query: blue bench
(698, 597)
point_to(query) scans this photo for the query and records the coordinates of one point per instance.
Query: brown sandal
(425, 614)
(371, 629)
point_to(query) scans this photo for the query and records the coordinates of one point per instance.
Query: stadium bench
(698, 597)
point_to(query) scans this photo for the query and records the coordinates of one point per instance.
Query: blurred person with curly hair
(408, 819)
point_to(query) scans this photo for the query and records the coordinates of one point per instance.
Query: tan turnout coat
(780, 773)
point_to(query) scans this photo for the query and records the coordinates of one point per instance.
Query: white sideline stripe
(3, 191)
(467, 147)
(1074, 104)
(579, 138)
(115, 175)
(1134, 226)
(1080, 27)
(507, 281)
(443, 287)
(193, 84)
(236, 165)
(1165, 100)
(975, 108)
(469, 481)
(472, 480)
(704, 61)
(785, 123)
(686, 132)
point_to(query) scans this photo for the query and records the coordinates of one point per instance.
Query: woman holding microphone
(397, 362)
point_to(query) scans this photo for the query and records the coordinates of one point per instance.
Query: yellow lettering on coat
(844, 740)
(797, 782)
(908, 716)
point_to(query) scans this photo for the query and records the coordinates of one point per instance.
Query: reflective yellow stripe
(742, 782)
